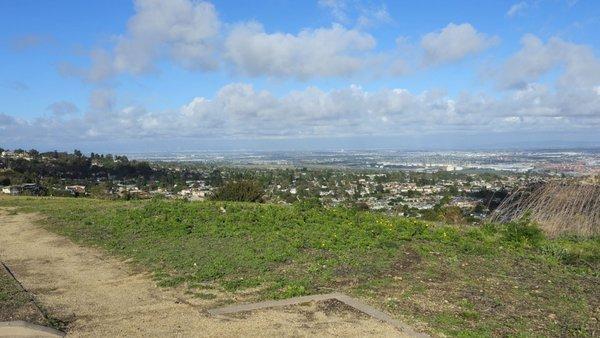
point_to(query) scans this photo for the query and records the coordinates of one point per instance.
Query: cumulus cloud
(454, 42)
(326, 52)
(188, 33)
(183, 31)
(578, 65)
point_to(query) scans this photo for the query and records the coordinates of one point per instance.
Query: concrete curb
(352, 302)
(21, 328)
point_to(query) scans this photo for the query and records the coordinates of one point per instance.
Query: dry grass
(562, 207)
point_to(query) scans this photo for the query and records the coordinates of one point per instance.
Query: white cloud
(183, 31)
(454, 42)
(323, 52)
(577, 64)
(517, 9)
(188, 33)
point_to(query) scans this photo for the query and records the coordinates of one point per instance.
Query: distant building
(193, 194)
(76, 189)
(11, 190)
(24, 189)
(13, 155)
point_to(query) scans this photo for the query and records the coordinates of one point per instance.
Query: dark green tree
(240, 191)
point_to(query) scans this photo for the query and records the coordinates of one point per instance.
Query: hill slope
(476, 280)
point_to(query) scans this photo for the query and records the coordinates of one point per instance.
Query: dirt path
(102, 296)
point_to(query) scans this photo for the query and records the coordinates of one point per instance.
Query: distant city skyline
(151, 75)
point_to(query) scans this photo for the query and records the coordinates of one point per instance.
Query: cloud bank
(240, 111)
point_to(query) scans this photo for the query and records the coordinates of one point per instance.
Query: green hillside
(490, 280)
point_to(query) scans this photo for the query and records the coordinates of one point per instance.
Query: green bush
(585, 253)
(308, 204)
(523, 233)
(242, 191)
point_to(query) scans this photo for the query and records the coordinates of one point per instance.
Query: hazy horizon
(443, 143)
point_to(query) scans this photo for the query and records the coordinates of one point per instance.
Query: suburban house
(24, 189)
(76, 189)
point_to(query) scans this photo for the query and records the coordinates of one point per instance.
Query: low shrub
(522, 233)
(242, 191)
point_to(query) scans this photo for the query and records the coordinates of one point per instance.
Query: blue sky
(157, 75)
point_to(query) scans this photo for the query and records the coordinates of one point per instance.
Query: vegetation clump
(523, 232)
(240, 191)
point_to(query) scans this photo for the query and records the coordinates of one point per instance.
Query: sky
(158, 75)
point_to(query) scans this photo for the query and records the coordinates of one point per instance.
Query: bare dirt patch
(328, 318)
(407, 262)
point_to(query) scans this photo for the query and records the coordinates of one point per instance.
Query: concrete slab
(20, 328)
(352, 302)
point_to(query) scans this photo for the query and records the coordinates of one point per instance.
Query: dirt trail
(102, 296)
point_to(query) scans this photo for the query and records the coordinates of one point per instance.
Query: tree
(215, 179)
(242, 191)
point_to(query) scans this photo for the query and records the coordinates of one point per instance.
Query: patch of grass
(12, 296)
(490, 280)
(204, 295)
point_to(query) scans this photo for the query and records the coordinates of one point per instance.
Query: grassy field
(461, 281)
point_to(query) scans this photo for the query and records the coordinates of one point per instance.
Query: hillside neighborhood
(462, 194)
